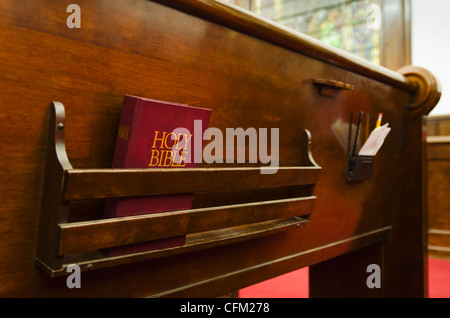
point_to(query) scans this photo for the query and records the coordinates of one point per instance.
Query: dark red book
(146, 140)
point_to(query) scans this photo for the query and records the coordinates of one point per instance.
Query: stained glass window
(351, 25)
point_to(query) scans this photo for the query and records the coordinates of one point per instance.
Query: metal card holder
(359, 168)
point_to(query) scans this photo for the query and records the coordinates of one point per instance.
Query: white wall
(431, 44)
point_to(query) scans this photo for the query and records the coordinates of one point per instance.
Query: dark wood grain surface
(438, 172)
(153, 50)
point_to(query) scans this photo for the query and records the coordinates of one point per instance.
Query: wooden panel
(240, 20)
(439, 243)
(439, 239)
(438, 125)
(251, 74)
(438, 148)
(252, 275)
(329, 273)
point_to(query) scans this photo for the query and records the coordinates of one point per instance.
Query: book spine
(121, 153)
(124, 134)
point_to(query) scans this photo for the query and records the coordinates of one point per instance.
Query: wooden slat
(104, 183)
(194, 242)
(438, 148)
(84, 236)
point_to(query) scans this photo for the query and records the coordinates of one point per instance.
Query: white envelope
(375, 141)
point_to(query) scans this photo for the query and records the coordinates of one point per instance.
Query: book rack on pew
(61, 243)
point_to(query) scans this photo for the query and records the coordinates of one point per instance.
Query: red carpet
(438, 278)
(295, 284)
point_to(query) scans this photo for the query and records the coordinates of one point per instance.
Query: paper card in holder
(375, 141)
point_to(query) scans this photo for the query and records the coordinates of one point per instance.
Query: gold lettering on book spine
(124, 131)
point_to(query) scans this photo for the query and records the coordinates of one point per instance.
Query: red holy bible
(149, 136)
